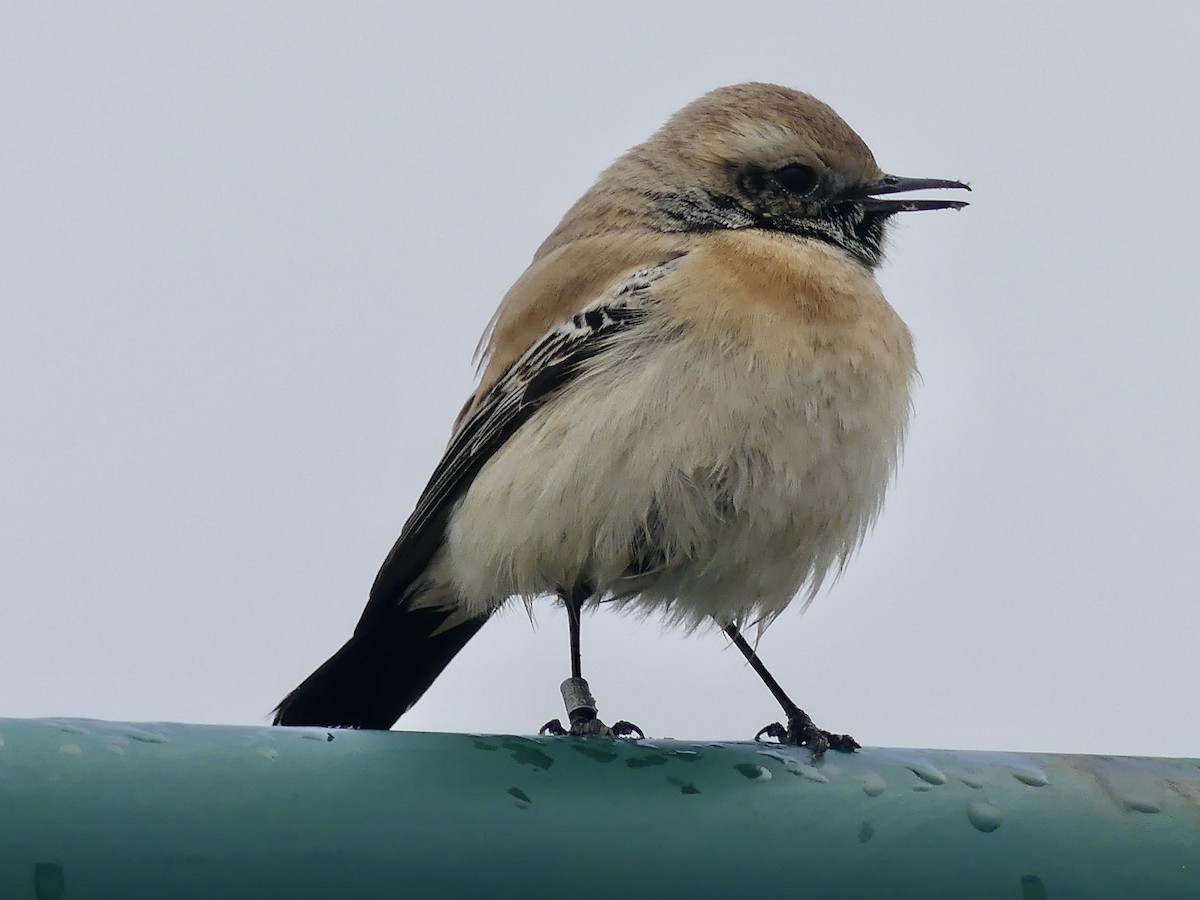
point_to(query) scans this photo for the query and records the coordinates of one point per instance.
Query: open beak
(866, 195)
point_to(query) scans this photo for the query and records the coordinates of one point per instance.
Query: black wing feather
(399, 648)
(524, 388)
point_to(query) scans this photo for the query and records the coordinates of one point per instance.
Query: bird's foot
(621, 728)
(581, 712)
(801, 732)
(592, 727)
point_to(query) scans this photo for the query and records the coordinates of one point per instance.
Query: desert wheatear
(690, 403)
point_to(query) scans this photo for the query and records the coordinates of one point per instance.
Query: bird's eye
(796, 179)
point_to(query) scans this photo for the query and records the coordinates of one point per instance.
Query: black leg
(574, 604)
(800, 729)
(581, 706)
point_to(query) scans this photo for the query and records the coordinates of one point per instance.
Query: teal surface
(110, 810)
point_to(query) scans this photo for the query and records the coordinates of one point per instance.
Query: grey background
(246, 251)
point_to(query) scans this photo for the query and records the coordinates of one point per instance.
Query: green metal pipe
(109, 810)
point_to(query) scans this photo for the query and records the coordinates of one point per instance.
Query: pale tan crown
(705, 143)
(764, 124)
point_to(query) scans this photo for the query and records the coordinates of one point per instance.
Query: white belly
(739, 482)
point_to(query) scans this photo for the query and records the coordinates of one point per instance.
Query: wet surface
(206, 794)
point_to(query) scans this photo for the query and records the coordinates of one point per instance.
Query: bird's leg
(800, 729)
(577, 696)
(574, 604)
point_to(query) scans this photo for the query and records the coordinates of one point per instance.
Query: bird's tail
(375, 677)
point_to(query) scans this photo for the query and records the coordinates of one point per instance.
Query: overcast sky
(246, 251)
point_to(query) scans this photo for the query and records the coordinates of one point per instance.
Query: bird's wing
(409, 631)
(557, 285)
(530, 382)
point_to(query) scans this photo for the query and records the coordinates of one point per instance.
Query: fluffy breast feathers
(801, 372)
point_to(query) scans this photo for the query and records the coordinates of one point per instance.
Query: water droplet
(926, 771)
(971, 781)
(1140, 805)
(528, 753)
(597, 753)
(1, 740)
(49, 881)
(1134, 785)
(753, 772)
(1032, 888)
(268, 753)
(866, 832)
(812, 773)
(145, 737)
(685, 787)
(520, 798)
(1028, 773)
(642, 762)
(483, 745)
(687, 755)
(70, 749)
(922, 787)
(983, 816)
(873, 784)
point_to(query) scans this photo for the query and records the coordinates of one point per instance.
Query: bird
(690, 404)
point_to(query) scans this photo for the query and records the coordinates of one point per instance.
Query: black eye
(795, 179)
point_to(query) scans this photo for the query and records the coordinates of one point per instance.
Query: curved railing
(103, 809)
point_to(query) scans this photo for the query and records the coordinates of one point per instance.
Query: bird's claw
(801, 732)
(591, 727)
(625, 729)
(774, 730)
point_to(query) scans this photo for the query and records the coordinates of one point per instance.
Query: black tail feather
(379, 673)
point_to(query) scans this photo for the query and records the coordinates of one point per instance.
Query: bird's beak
(866, 195)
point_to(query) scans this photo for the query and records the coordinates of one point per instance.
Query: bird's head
(767, 157)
